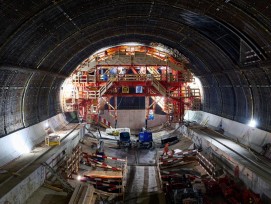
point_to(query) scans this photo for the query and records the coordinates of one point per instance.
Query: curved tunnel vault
(227, 43)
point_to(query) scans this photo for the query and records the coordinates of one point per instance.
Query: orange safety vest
(166, 148)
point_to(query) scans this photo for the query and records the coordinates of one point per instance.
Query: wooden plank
(99, 192)
(89, 195)
(83, 194)
(176, 165)
(73, 199)
(104, 174)
(93, 200)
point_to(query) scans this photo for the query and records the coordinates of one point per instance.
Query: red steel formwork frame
(168, 83)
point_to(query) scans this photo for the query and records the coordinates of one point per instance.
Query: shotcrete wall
(22, 141)
(251, 137)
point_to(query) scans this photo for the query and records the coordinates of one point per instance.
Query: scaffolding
(117, 71)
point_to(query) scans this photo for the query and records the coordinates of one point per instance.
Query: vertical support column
(146, 71)
(116, 108)
(167, 71)
(147, 108)
(181, 110)
(96, 72)
(178, 113)
(167, 106)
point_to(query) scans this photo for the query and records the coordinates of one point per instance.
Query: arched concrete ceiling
(228, 43)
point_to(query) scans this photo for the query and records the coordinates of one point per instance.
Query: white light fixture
(133, 44)
(79, 178)
(252, 123)
(46, 125)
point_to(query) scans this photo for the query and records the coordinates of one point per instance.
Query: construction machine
(145, 140)
(125, 140)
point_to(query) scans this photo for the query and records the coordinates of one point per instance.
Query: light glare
(46, 125)
(20, 145)
(79, 178)
(252, 123)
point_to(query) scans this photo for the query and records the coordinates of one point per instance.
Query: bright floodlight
(252, 123)
(46, 125)
(79, 177)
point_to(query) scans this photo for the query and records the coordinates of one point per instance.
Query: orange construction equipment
(105, 74)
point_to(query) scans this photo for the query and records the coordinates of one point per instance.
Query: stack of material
(109, 181)
(170, 166)
(178, 158)
(106, 178)
(95, 160)
(105, 174)
(178, 175)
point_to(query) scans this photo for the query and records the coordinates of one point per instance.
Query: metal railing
(159, 87)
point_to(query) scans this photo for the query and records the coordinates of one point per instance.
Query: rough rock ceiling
(228, 43)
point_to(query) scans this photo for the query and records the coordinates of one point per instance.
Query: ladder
(159, 87)
(153, 71)
(104, 88)
(64, 183)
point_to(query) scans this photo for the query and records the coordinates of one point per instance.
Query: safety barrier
(105, 122)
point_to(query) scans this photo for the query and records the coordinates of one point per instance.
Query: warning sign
(125, 89)
(151, 115)
(139, 89)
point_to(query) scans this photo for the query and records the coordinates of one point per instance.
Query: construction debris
(194, 181)
(111, 180)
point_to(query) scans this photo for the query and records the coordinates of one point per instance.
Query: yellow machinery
(52, 140)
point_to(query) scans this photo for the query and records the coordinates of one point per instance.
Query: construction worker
(166, 149)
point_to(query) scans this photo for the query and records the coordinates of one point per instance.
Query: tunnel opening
(153, 80)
